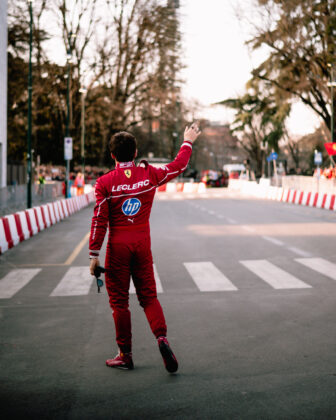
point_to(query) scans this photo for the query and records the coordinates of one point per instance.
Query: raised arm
(180, 163)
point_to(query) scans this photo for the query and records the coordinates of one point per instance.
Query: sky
(218, 63)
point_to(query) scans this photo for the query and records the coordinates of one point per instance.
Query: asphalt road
(249, 294)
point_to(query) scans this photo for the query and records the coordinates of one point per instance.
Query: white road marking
(77, 281)
(320, 265)
(16, 280)
(299, 251)
(208, 278)
(159, 288)
(273, 240)
(232, 221)
(273, 275)
(211, 212)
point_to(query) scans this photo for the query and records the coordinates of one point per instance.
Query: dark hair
(123, 146)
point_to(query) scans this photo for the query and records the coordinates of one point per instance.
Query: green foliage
(300, 38)
(130, 68)
(259, 120)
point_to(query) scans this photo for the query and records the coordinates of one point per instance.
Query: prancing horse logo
(128, 173)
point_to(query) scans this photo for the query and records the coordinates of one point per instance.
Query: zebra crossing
(205, 275)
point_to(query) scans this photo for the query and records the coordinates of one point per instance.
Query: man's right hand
(191, 133)
(94, 262)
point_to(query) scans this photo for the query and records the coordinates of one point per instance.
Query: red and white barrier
(40, 218)
(12, 230)
(303, 198)
(15, 228)
(65, 208)
(183, 187)
(51, 213)
(31, 220)
(21, 219)
(3, 238)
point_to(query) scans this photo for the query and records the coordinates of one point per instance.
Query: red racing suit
(124, 199)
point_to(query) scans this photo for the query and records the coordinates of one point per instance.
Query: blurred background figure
(79, 183)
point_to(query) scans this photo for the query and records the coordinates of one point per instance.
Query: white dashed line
(299, 251)
(273, 240)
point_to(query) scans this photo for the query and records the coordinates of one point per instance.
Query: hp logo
(131, 206)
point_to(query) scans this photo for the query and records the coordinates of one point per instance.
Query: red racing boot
(167, 354)
(121, 361)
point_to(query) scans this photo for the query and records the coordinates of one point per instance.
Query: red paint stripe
(324, 200)
(65, 210)
(19, 227)
(60, 209)
(315, 199)
(179, 186)
(288, 194)
(332, 202)
(294, 195)
(308, 199)
(55, 211)
(162, 188)
(29, 223)
(301, 197)
(37, 220)
(51, 220)
(8, 234)
(68, 205)
(44, 218)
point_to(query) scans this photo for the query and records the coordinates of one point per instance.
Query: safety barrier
(17, 227)
(321, 200)
(184, 187)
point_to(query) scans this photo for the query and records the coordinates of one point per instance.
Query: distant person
(41, 182)
(41, 178)
(124, 199)
(79, 183)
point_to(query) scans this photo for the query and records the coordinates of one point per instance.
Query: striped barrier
(183, 187)
(20, 226)
(304, 198)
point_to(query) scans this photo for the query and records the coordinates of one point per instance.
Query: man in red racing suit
(124, 199)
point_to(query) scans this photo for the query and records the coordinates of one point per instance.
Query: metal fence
(14, 198)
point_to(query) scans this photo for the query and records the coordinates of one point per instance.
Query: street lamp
(29, 128)
(67, 131)
(83, 91)
(332, 84)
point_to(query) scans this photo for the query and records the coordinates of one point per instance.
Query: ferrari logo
(128, 173)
